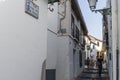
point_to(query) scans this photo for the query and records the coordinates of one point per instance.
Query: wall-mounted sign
(32, 9)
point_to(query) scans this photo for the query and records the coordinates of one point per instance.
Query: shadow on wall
(43, 72)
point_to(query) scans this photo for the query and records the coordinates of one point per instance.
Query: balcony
(75, 32)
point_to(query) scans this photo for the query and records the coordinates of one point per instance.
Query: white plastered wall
(23, 42)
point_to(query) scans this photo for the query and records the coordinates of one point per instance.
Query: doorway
(74, 61)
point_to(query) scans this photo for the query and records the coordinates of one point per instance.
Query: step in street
(92, 74)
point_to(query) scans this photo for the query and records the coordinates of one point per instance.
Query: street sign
(32, 9)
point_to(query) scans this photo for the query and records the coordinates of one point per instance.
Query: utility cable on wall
(63, 15)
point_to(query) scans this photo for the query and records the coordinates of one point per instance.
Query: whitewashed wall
(53, 17)
(75, 68)
(109, 53)
(63, 64)
(115, 24)
(52, 50)
(23, 41)
(52, 47)
(60, 48)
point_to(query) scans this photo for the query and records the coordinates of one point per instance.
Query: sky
(93, 20)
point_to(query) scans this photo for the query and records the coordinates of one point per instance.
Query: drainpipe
(117, 64)
(63, 16)
(117, 44)
(43, 72)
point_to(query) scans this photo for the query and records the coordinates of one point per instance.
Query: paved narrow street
(92, 74)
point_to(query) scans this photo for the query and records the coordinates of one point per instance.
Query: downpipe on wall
(117, 64)
(117, 44)
(63, 15)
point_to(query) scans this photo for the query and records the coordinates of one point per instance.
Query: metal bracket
(105, 11)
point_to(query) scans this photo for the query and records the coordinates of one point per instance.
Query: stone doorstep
(94, 71)
(96, 78)
(93, 76)
(94, 68)
(90, 75)
(103, 72)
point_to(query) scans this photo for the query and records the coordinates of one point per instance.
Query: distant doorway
(80, 59)
(74, 62)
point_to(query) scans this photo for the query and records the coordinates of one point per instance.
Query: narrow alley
(70, 43)
(92, 74)
(59, 39)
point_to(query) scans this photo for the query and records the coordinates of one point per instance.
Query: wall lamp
(104, 11)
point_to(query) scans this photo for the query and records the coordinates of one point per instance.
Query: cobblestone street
(92, 74)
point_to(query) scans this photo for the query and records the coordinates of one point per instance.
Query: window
(77, 33)
(72, 25)
(74, 29)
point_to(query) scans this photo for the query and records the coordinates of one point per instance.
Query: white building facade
(107, 41)
(113, 39)
(93, 48)
(23, 41)
(87, 47)
(66, 30)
